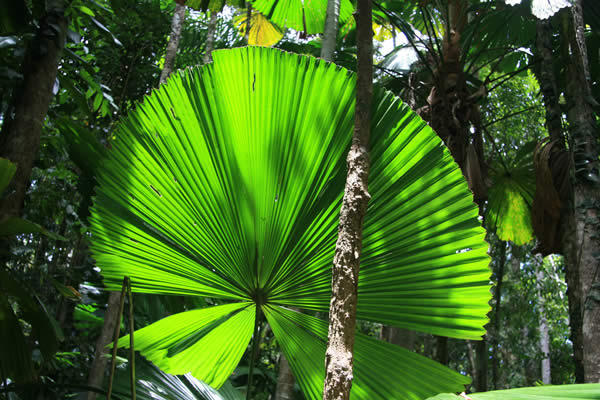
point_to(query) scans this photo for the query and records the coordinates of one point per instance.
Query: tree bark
(398, 336)
(285, 380)
(550, 93)
(441, 349)
(96, 375)
(344, 282)
(22, 127)
(332, 17)
(585, 243)
(481, 361)
(543, 324)
(497, 314)
(176, 26)
(210, 38)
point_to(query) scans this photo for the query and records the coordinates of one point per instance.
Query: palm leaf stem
(255, 349)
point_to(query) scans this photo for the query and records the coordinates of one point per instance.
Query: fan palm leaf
(227, 182)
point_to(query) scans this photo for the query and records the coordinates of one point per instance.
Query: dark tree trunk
(566, 224)
(22, 127)
(441, 349)
(481, 359)
(96, 375)
(330, 30)
(210, 38)
(399, 337)
(344, 283)
(176, 26)
(585, 243)
(285, 380)
(497, 304)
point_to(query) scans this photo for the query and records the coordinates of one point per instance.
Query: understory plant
(227, 183)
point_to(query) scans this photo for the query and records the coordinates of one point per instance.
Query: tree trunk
(497, 304)
(210, 38)
(176, 25)
(543, 324)
(96, 375)
(398, 336)
(22, 127)
(481, 360)
(285, 380)
(585, 243)
(248, 22)
(330, 30)
(344, 282)
(471, 358)
(441, 349)
(569, 247)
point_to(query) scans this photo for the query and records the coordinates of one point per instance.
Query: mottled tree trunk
(344, 282)
(543, 324)
(330, 30)
(285, 380)
(96, 375)
(176, 26)
(585, 243)
(549, 88)
(441, 349)
(210, 38)
(22, 127)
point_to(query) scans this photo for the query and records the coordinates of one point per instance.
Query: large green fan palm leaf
(227, 182)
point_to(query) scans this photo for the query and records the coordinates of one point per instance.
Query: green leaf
(562, 392)
(16, 358)
(228, 180)
(207, 343)
(511, 198)
(7, 171)
(87, 11)
(304, 16)
(407, 375)
(16, 226)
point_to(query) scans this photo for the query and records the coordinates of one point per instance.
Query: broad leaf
(563, 392)
(407, 374)
(227, 182)
(262, 31)
(208, 343)
(511, 198)
(304, 16)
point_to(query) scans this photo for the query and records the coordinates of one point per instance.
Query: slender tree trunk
(248, 22)
(22, 127)
(344, 282)
(441, 349)
(543, 324)
(497, 314)
(586, 195)
(471, 357)
(399, 336)
(96, 375)
(330, 30)
(481, 360)
(550, 93)
(285, 380)
(176, 26)
(210, 38)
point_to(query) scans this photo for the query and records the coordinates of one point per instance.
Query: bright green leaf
(227, 182)
(208, 343)
(562, 392)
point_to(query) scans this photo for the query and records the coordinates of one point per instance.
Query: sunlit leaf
(227, 182)
(262, 32)
(562, 392)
